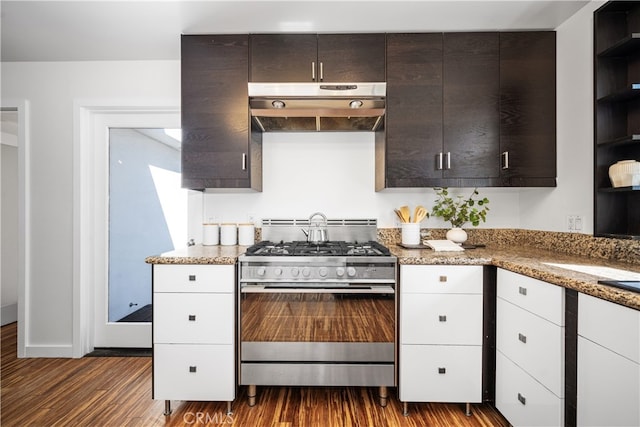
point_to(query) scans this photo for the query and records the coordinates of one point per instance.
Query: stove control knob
(351, 271)
(278, 271)
(295, 271)
(261, 271)
(340, 271)
(322, 271)
(306, 272)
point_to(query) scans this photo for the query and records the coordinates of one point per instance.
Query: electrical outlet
(577, 223)
(571, 222)
(251, 217)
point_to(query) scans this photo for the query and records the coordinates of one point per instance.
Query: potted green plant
(459, 210)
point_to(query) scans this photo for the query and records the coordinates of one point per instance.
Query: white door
(140, 210)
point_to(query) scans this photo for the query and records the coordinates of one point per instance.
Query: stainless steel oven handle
(271, 289)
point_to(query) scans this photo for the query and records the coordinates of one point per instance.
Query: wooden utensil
(399, 214)
(420, 214)
(406, 213)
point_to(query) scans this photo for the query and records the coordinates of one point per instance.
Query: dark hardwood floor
(116, 391)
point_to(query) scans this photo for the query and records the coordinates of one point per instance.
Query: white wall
(53, 87)
(9, 263)
(543, 209)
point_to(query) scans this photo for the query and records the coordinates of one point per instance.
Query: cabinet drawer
(533, 343)
(542, 298)
(193, 278)
(193, 372)
(433, 373)
(610, 325)
(441, 279)
(522, 400)
(608, 387)
(193, 318)
(441, 319)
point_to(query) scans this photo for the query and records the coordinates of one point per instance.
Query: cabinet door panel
(215, 120)
(413, 122)
(193, 318)
(441, 319)
(441, 279)
(431, 373)
(470, 105)
(277, 58)
(352, 57)
(522, 400)
(193, 372)
(528, 103)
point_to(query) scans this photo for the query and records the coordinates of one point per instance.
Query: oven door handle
(279, 289)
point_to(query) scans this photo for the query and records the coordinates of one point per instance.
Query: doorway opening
(148, 214)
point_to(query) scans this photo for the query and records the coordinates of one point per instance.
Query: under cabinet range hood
(300, 107)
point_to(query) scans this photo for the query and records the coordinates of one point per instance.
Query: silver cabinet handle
(442, 370)
(442, 318)
(313, 71)
(443, 278)
(321, 71)
(192, 318)
(522, 399)
(522, 338)
(192, 277)
(439, 165)
(522, 291)
(448, 160)
(193, 369)
(244, 161)
(505, 160)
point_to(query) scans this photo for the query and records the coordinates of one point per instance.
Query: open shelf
(620, 189)
(630, 92)
(627, 45)
(627, 139)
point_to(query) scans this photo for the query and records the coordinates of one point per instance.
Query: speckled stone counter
(199, 254)
(531, 262)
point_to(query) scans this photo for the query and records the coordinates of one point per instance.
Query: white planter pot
(457, 235)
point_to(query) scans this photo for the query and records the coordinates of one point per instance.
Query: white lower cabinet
(608, 364)
(441, 318)
(193, 333)
(529, 350)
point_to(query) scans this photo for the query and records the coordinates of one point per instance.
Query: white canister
(246, 234)
(210, 234)
(228, 234)
(410, 234)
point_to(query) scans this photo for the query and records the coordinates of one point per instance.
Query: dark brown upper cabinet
(528, 108)
(277, 58)
(442, 120)
(616, 116)
(219, 147)
(468, 109)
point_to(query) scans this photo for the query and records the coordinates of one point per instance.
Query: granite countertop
(519, 259)
(200, 254)
(533, 263)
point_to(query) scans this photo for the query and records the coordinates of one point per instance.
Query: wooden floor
(116, 391)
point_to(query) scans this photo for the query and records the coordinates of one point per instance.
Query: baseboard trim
(8, 314)
(49, 351)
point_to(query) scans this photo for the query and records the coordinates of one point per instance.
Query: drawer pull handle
(442, 370)
(192, 318)
(442, 318)
(192, 277)
(522, 291)
(443, 278)
(192, 369)
(522, 338)
(522, 399)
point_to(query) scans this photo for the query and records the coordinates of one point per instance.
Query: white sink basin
(596, 270)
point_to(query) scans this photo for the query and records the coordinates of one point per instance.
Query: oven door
(324, 335)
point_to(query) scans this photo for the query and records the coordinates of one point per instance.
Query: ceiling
(149, 30)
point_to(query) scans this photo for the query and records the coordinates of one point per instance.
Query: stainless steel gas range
(317, 313)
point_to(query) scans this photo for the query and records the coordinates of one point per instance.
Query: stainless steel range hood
(315, 107)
